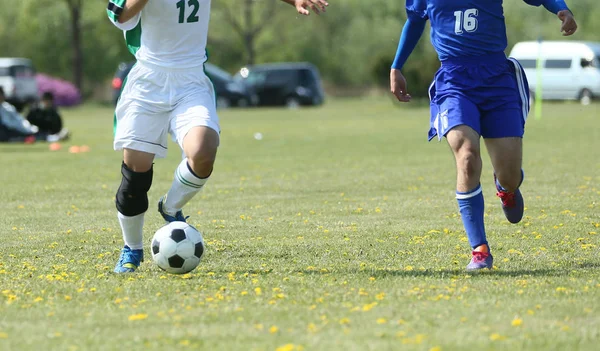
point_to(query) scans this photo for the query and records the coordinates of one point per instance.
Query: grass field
(337, 231)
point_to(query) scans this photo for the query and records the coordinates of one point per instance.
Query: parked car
(228, 92)
(17, 78)
(570, 70)
(284, 84)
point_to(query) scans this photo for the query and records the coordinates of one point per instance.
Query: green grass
(337, 231)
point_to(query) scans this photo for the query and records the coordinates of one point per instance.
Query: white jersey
(166, 33)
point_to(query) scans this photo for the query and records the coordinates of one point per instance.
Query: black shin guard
(132, 196)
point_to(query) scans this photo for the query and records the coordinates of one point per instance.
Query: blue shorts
(489, 94)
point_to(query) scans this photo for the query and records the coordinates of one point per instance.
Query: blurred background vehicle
(230, 93)
(569, 70)
(283, 84)
(17, 77)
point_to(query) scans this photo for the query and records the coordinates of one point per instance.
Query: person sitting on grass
(46, 117)
(13, 127)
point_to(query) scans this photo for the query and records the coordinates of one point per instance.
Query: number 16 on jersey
(465, 21)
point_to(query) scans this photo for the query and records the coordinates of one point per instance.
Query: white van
(570, 69)
(17, 79)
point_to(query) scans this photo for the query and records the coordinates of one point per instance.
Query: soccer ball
(177, 248)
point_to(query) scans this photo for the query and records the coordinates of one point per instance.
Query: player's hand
(569, 26)
(398, 86)
(317, 6)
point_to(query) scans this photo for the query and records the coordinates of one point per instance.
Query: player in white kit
(166, 92)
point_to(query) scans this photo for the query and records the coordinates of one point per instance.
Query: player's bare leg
(200, 148)
(132, 204)
(465, 144)
(507, 158)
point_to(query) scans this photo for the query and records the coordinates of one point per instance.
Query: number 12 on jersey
(465, 21)
(193, 17)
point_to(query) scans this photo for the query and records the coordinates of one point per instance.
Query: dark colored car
(229, 92)
(283, 84)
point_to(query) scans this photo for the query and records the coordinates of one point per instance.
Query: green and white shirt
(166, 33)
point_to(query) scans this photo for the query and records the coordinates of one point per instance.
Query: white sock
(132, 228)
(185, 185)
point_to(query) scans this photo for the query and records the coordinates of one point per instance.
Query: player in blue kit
(477, 92)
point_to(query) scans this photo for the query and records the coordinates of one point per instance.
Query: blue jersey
(460, 28)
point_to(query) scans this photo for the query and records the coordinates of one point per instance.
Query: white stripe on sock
(473, 193)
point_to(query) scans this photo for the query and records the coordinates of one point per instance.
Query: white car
(570, 70)
(17, 78)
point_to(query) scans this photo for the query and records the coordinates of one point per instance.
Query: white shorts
(157, 101)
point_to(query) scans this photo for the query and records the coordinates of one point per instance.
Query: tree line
(353, 44)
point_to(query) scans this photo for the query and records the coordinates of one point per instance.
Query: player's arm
(411, 33)
(559, 8)
(125, 14)
(302, 6)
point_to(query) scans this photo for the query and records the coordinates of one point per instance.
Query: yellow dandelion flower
(258, 291)
(138, 317)
(497, 337)
(516, 322)
(435, 348)
(381, 320)
(380, 296)
(273, 329)
(3, 335)
(289, 347)
(184, 342)
(259, 327)
(372, 279)
(67, 298)
(38, 299)
(344, 321)
(369, 306)
(311, 328)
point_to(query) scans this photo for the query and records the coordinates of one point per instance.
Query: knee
(202, 162)
(510, 180)
(468, 161)
(132, 196)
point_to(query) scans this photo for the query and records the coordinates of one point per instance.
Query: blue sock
(471, 208)
(501, 188)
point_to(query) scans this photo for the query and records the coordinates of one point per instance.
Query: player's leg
(195, 126)
(506, 155)
(502, 129)
(458, 119)
(141, 132)
(465, 145)
(132, 204)
(200, 149)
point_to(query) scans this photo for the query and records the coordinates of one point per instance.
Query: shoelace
(129, 257)
(179, 216)
(508, 199)
(479, 256)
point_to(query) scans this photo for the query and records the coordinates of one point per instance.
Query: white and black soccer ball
(177, 248)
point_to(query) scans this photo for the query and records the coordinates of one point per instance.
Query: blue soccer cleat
(168, 218)
(480, 260)
(512, 203)
(129, 261)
